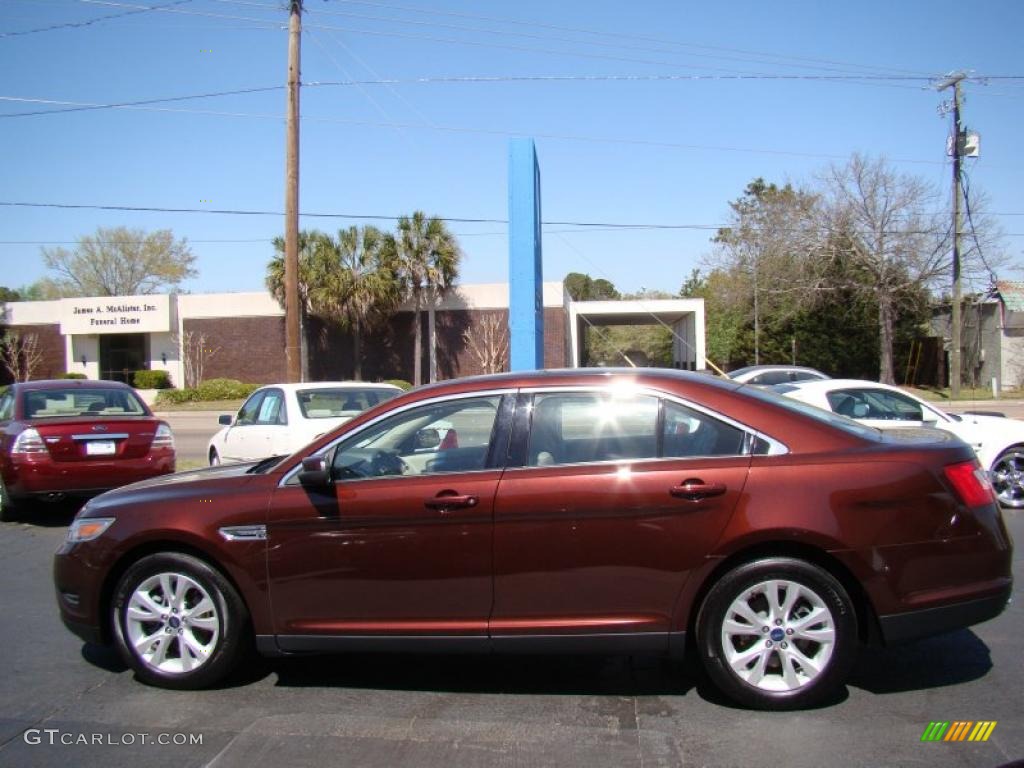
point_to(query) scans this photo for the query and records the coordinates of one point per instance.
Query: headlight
(88, 528)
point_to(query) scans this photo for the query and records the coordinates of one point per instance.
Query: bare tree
(120, 262)
(20, 354)
(885, 224)
(488, 343)
(195, 354)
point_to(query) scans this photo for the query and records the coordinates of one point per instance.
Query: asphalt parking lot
(63, 702)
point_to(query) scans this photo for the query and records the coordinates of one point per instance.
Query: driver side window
(250, 410)
(450, 436)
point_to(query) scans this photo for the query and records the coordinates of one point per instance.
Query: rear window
(57, 403)
(346, 401)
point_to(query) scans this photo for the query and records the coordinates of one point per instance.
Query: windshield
(343, 401)
(58, 403)
(819, 414)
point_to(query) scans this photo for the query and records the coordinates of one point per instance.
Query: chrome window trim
(407, 407)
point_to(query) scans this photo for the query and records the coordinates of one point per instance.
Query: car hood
(176, 486)
(994, 424)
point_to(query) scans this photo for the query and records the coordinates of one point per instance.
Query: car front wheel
(1008, 477)
(177, 621)
(777, 633)
(214, 458)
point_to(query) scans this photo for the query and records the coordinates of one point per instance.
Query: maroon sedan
(76, 438)
(607, 511)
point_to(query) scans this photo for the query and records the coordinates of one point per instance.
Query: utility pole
(293, 342)
(953, 81)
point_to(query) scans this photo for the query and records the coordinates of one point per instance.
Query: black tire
(794, 671)
(214, 458)
(219, 630)
(1008, 477)
(8, 509)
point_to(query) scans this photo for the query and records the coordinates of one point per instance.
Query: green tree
(583, 287)
(427, 259)
(772, 237)
(9, 294)
(119, 261)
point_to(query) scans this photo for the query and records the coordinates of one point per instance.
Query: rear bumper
(914, 625)
(41, 476)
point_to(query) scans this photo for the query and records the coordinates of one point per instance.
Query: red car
(71, 437)
(585, 510)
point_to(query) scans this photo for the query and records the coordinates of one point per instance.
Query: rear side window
(6, 406)
(583, 427)
(688, 432)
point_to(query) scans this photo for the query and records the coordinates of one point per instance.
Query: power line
(80, 107)
(89, 22)
(584, 225)
(618, 35)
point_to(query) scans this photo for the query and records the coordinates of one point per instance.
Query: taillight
(28, 441)
(163, 438)
(971, 483)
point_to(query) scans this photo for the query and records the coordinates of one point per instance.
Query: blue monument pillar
(525, 285)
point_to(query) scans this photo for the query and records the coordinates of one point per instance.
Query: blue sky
(663, 151)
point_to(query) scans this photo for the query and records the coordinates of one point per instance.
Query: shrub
(72, 375)
(224, 389)
(176, 396)
(151, 380)
(404, 385)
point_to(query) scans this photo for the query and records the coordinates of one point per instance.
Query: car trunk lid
(91, 439)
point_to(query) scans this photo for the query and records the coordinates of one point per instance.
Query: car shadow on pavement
(949, 659)
(580, 675)
(48, 514)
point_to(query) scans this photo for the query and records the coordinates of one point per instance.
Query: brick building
(243, 333)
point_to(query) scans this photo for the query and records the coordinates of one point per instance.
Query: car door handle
(695, 490)
(450, 500)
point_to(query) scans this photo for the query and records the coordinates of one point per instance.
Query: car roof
(296, 386)
(831, 385)
(48, 384)
(780, 367)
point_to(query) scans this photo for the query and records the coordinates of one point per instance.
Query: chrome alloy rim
(172, 623)
(778, 636)
(1008, 479)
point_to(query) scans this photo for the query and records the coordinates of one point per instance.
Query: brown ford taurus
(611, 511)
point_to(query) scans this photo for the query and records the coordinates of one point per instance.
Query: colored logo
(959, 730)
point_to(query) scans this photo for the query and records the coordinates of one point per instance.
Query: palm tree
(319, 276)
(370, 290)
(427, 262)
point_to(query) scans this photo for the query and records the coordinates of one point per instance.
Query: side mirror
(427, 438)
(224, 420)
(315, 471)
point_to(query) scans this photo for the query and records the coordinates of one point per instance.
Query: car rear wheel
(778, 633)
(178, 622)
(1008, 477)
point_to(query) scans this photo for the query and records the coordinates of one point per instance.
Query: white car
(281, 418)
(767, 375)
(997, 440)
